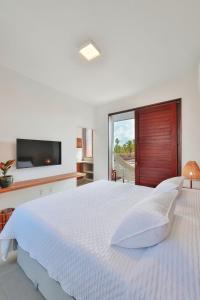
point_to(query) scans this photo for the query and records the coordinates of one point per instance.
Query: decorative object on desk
(191, 171)
(79, 143)
(6, 180)
(4, 216)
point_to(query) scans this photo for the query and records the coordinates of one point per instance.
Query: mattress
(69, 234)
(48, 287)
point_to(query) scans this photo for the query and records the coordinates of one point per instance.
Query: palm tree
(117, 141)
(129, 146)
(117, 147)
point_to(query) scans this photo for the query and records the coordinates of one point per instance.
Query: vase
(6, 181)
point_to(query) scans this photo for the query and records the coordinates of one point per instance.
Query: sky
(124, 131)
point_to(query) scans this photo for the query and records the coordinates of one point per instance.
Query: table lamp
(191, 171)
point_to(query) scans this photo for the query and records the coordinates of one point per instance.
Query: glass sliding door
(156, 131)
(122, 147)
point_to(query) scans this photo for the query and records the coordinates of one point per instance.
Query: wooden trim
(179, 132)
(137, 151)
(144, 106)
(40, 181)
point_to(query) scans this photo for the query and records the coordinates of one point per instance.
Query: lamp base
(190, 183)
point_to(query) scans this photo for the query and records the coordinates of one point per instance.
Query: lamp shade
(191, 170)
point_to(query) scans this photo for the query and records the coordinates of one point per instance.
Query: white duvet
(69, 234)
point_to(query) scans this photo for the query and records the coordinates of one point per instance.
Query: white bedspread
(69, 234)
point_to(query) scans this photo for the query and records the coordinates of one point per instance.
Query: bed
(65, 238)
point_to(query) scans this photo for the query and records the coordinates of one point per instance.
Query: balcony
(124, 164)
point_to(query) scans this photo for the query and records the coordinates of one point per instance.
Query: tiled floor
(14, 285)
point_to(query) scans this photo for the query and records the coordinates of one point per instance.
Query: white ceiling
(142, 43)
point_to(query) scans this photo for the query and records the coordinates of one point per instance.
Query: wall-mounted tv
(37, 153)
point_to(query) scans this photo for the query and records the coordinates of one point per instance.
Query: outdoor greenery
(129, 147)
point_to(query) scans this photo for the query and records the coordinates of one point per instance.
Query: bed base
(48, 287)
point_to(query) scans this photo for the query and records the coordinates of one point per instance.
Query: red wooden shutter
(157, 143)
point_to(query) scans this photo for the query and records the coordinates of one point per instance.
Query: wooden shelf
(34, 182)
(89, 180)
(85, 162)
(87, 171)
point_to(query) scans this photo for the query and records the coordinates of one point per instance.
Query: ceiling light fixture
(89, 51)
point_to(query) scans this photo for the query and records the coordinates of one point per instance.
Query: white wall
(186, 88)
(31, 110)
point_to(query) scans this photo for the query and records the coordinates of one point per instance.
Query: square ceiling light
(89, 51)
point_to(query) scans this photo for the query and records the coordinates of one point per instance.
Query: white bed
(69, 234)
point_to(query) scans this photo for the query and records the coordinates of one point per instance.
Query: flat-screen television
(37, 153)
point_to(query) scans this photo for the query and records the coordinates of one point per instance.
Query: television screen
(36, 153)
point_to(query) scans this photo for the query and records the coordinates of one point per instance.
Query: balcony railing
(124, 164)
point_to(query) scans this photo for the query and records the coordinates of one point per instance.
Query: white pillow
(147, 223)
(170, 184)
